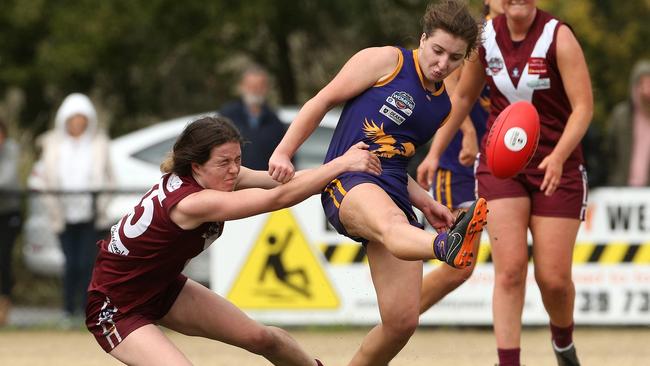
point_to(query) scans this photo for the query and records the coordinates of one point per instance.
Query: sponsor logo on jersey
(539, 84)
(173, 183)
(392, 114)
(115, 245)
(495, 65)
(403, 101)
(537, 65)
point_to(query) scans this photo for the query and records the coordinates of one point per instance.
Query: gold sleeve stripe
(421, 77)
(417, 68)
(389, 78)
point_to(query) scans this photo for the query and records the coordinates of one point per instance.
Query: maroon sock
(562, 337)
(318, 363)
(508, 356)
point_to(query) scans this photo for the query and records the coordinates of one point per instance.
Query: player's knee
(511, 278)
(401, 327)
(261, 341)
(390, 234)
(554, 286)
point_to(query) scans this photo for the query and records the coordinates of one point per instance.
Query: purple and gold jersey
(393, 117)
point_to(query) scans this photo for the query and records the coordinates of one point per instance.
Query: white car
(138, 155)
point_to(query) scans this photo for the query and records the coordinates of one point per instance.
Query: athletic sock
(508, 356)
(439, 246)
(562, 337)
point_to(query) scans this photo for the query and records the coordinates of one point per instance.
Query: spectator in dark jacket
(258, 123)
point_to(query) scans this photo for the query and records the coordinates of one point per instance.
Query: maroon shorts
(110, 326)
(569, 200)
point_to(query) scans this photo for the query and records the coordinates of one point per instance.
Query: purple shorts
(569, 200)
(110, 326)
(453, 190)
(394, 186)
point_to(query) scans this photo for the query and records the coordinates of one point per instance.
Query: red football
(512, 140)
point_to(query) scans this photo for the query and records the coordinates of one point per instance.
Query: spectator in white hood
(75, 160)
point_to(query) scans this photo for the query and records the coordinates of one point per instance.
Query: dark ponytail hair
(195, 144)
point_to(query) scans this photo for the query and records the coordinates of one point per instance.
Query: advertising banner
(290, 268)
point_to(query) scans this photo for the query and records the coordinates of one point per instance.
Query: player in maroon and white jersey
(137, 282)
(529, 55)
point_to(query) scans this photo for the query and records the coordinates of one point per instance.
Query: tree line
(142, 61)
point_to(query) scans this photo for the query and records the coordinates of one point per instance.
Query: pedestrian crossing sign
(282, 271)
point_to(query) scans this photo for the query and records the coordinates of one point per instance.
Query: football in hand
(512, 140)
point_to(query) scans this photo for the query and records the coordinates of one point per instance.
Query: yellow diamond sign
(282, 271)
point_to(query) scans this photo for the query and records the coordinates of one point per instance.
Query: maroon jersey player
(527, 54)
(137, 282)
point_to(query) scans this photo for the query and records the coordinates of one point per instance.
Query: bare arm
(437, 215)
(211, 205)
(361, 72)
(249, 178)
(469, 147)
(577, 84)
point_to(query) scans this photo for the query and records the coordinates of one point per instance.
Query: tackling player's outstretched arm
(213, 205)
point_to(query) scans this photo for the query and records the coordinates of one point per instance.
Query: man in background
(257, 122)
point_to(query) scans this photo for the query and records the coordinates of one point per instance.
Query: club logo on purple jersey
(402, 101)
(384, 145)
(495, 65)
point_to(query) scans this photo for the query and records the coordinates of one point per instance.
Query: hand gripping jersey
(528, 70)
(146, 250)
(393, 117)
